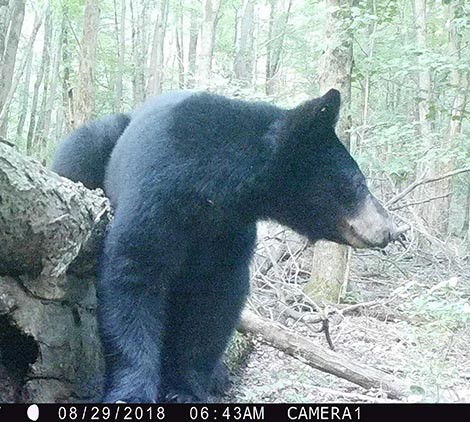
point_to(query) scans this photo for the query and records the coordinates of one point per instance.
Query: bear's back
(193, 136)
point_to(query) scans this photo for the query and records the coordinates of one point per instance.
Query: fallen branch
(424, 181)
(45, 220)
(321, 358)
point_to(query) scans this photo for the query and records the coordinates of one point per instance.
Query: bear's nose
(370, 226)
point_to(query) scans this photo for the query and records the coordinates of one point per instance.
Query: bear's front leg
(202, 318)
(130, 316)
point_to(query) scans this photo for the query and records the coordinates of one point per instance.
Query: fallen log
(321, 358)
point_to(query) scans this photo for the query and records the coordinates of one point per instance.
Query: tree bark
(330, 263)
(84, 98)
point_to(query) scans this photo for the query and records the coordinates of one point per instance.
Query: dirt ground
(415, 324)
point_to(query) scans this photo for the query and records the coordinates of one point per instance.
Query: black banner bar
(233, 412)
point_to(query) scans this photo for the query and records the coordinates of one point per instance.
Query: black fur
(84, 154)
(189, 178)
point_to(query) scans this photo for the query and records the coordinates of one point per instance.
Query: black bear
(189, 178)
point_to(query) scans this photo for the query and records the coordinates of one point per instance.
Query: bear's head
(320, 190)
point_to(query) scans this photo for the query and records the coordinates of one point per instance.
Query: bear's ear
(321, 112)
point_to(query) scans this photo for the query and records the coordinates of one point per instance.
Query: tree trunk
(120, 29)
(8, 56)
(210, 17)
(192, 48)
(67, 89)
(330, 263)
(137, 54)
(34, 115)
(466, 218)
(243, 64)
(19, 73)
(24, 101)
(154, 86)
(274, 46)
(44, 115)
(371, 29)
(84, 99)
(4, 18)
(432, 212)
(180, 54)
(459, 82)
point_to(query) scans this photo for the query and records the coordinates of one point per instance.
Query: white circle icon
(33, 412)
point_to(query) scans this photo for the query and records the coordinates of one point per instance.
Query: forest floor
(415, 324)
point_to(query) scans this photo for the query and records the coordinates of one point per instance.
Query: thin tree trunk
(431, 213)
(34, 115)
(210, 17)
(67, 89)
(54, 83)
(274, 46)
(330, 263)
(243, 63)
(24, 101)
(154, 86)
(180, 55)
(20, 71)
(43, 115)
(84, 100)
(460, 84)
(466, 219)
(371, 29)
(4, 18)
(120, 29)
(139, 48)
(8, 57)
(192, 48)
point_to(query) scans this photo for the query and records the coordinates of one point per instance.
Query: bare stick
(423, 201)
(420, 182)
